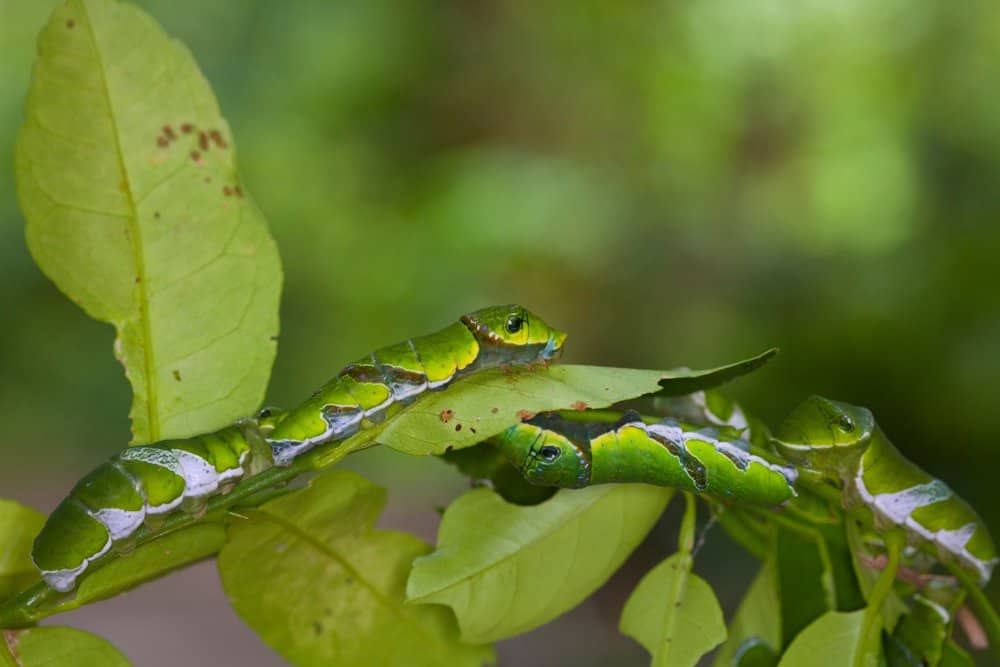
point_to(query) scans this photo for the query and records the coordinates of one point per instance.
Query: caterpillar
(843, 442)
(552, 451)
(143, 484)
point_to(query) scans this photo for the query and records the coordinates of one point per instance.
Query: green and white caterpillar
(843, 442)
(144, 484)
(552, 451)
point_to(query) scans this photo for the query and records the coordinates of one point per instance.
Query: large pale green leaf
(310, 574)
(18, 527)
(674, 614)
(830, 641)
(506, 569)
(486, 403)
(52, 647)
(756, 628)
(127, 177)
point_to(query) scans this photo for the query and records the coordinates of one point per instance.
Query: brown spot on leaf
(458, 427)
(138, 279)
(525, 415)
(239, 191)
(70, 23)
(446, 415)
(317, 627)
(187, 128)
(580, 405)
(472, 430)
(494, 410)
(228, 191)
(177, 375)
(196, 156)
(156, 214)
(162, 142)
(217, 139)
(168, 132)
(203, 141)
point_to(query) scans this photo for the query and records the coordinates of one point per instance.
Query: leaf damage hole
(458, 427)
(446, 415)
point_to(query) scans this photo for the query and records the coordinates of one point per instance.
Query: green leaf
(49, 647)
(149, 561)
(954, 656)
(805, 578)
(126, 175)
(313, 578)
(484, 462)
(755, 631)
(831, 641)
(18, 527)
(487, 403)
(506, 569)
(674, 614)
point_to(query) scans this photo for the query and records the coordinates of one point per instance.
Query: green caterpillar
(551, 451)
(144, 484)
(844, 442)
(840, 441)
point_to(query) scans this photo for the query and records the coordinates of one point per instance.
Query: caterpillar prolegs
(143, 484)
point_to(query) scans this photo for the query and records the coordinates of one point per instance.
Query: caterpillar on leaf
(143, 484)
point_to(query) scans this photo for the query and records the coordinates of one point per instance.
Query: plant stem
(868, 648)
(985, 611)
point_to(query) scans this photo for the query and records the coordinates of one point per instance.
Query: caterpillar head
(545, 457)
(515, 332)
(824, 433)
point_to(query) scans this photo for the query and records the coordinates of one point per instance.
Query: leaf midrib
(135, 240)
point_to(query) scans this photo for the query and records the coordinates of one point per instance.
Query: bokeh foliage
(671, 183)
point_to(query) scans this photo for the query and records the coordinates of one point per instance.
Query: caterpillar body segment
(367, 391)
(552, 451)
(139, 485)
(844, 442)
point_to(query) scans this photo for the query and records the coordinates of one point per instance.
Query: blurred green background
(672, 183)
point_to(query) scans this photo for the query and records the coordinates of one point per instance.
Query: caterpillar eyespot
(144, 484)
(514, 324)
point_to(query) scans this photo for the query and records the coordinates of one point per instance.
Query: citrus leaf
(674, 614)
(36, 647)
(18, 527)
(126, 175)
(830, 641)
(487, 403)
(756, 627)
(506, 569)
(313, 578)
